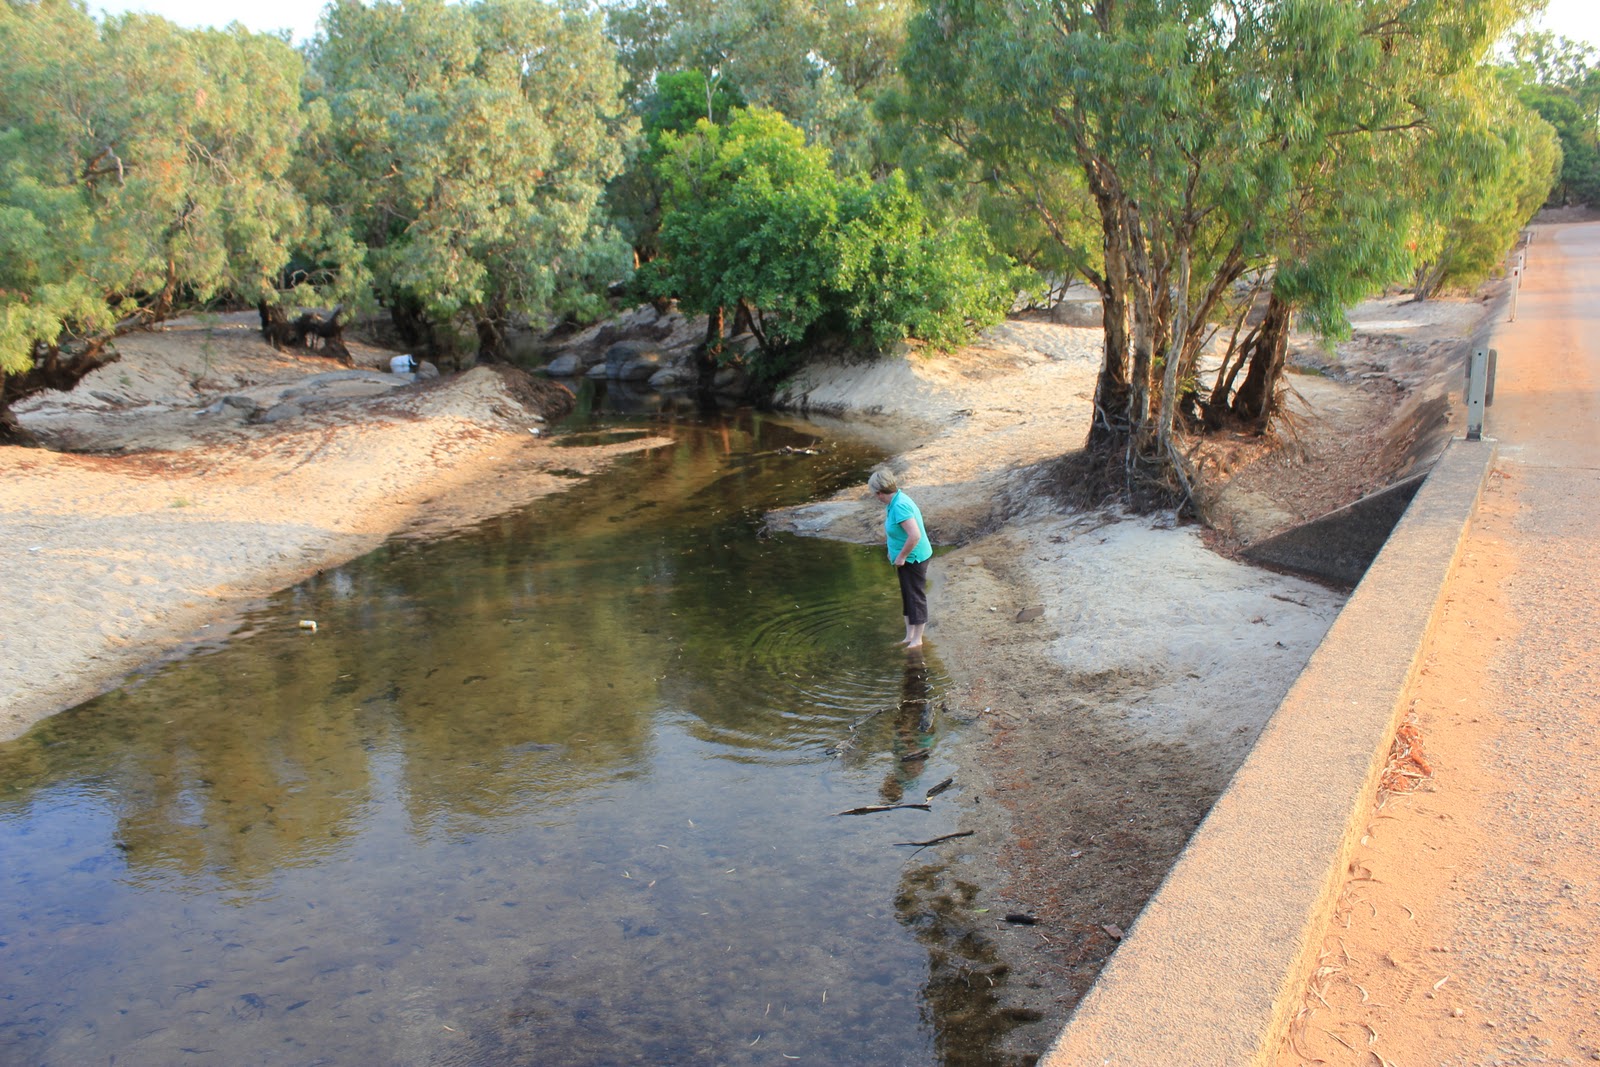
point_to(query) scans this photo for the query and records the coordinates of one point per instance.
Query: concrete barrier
(1215, 967)
(1341, 545)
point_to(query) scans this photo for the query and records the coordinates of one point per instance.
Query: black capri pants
(914, 591)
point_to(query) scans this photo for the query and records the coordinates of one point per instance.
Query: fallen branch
(866, 719)
(935, 840)
(849, 742)
(870, 808)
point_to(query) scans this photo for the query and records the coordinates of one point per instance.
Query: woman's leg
(914, 601)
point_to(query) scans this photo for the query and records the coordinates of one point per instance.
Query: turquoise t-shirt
(901, 508)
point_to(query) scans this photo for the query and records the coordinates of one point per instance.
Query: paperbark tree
(1199, 129)
(462, 156)
(146, 176)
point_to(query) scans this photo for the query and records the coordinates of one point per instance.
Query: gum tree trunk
(1253, 404)
(51, 370)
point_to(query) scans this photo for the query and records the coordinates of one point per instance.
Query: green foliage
(1036, 211)
(463, 156)
(46, 234)
(679, 100)
(899, 276)
(820, 62)
(1495, 169)
(148, 175)
(757, 220)
(1560, 80)
(684, 97)
(748, 208)
(1170, 149)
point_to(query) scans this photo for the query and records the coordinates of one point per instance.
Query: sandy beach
(176, 518)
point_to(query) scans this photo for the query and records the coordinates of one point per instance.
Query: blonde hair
(883, 481)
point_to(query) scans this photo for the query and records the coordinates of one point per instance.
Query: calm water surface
(558, 791)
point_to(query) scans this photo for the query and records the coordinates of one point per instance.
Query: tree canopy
(821, 63)
(678, 100)
(460, 152)
(757, 220)
(1203, 137)
(149, 173)
(826, 170)
(1560, 79)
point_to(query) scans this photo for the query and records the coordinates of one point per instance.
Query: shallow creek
(562, 789)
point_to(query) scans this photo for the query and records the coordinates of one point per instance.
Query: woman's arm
(913, 539)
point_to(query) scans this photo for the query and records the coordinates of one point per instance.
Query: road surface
(1469, 932)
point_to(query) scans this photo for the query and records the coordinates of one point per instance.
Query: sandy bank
(116, 559)
(1117, 669)
(1114, 670)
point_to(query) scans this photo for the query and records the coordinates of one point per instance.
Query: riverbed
(565, 787)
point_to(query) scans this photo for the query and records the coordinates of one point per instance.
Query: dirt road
(1468, 934)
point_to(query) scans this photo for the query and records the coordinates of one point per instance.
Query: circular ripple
(823, 652)
(815, 675)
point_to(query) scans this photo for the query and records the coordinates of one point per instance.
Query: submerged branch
(873, 808)
(935, 840)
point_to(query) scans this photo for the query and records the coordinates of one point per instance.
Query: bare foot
(911, 644)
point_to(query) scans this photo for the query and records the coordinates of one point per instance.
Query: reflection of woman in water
(913, 725)
(909, 551)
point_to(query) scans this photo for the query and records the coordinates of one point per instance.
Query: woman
(909, 551)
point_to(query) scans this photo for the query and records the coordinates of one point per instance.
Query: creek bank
(1101, 726)
(181, 505)
(1114, 670)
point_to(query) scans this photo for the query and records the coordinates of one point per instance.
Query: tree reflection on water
(540, 793)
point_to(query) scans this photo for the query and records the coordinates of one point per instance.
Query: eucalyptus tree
(146, 176)
(1196, 130)
(822, 63)
(1560, 79)
(461, 151)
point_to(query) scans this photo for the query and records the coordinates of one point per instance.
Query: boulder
(1081, 313)
(277, 413)
(643, 317)
(248, 405)
(642, 367)
(567, 366)
(672, 377)
(624, 353)
(426, 371)
(674, 331)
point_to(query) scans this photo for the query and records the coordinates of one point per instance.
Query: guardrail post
(1477, 392)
